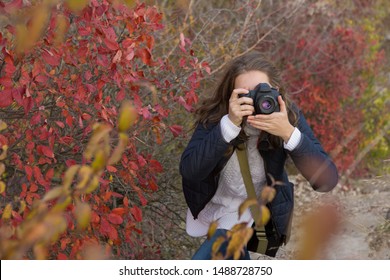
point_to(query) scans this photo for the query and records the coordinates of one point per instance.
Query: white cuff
(228, 129)
(294, 140)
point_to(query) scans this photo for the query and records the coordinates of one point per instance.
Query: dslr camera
(265, 99)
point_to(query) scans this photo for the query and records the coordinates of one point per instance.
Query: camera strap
(250, 189)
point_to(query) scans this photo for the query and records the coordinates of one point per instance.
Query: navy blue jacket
(206, 154)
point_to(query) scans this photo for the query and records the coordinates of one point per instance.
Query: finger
(246, 113)
(282, 104)
(236, 92)
(245, 100)
(262, 117)
(245, 107)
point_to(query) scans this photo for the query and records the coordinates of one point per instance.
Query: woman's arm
(312, 161)
(205, 149)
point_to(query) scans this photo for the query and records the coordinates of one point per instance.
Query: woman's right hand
(239, 107)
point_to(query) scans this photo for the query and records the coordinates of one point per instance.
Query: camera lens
(266, 105)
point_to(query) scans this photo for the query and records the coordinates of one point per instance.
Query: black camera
(265, 99)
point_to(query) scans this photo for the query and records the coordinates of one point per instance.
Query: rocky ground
(364, 232)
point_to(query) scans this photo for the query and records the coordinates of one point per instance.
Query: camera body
(265, 99)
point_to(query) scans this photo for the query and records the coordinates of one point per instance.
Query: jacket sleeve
(312, 161)
(203, 153)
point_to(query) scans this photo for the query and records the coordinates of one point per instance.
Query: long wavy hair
(214, 106)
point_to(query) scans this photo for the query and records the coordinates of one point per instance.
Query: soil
(364, 231)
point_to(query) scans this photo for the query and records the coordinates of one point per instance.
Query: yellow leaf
(77, 5)
(22, 207)
(236, 244)
(129, 3)
(40, 252)
(84, 175)
(100, 160)
(39, 20)
(62, 203)
(2, 168)
(265, 215)
(119, 149)
(3, 125)
(3, 151)
(53, 194)
(61, 26)
(2, 187)
(69, 175)
(7, 212)
(217, 244)
(267, 194)
(83, 214)
(245, 205)
(33, 234)
(7, 231)
(212, 228)
(238, 227)
(127, 117)
(22, 43)
(100, 136)
(93, 184)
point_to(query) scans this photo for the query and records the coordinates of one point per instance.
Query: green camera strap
(250, 189)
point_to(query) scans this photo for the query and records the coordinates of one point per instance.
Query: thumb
(282, 104)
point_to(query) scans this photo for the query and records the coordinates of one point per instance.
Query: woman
(212, 182)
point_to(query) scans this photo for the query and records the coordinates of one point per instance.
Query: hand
(239, 107)
(276, 123)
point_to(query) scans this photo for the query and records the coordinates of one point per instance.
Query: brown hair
(213, 107)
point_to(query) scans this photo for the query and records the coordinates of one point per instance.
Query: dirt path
(365, 228)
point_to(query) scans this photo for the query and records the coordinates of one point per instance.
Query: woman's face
(249, 80)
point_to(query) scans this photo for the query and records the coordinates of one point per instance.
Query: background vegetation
(67, 65)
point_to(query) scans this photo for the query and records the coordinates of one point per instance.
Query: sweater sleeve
(312, 161)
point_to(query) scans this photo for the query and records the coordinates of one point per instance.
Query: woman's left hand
(276, 123)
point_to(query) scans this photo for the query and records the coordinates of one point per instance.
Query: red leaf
(27, 104)
(69, 121)
(120, 95)
(5, 98)
(33, 187)
(119, 211)
(88, 75)
(47, 151)
(51, 58)
(35, 119)
(39, 177)
(9, 66)
(42, 79)
(182, 42)
(111, 168)
(145, 56)
(206, 67)
(142, 198)
(29, 172)
(118, 56)
(16, 4)
(153, 186)
(112, 45)
(184, 103)
(115, 219)
(17, 95)
(60, 124)
(176, 130)
(137, 213)
(6, 82)
(141, 160)
(61, 256)
(155, 166)
(49, 174)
